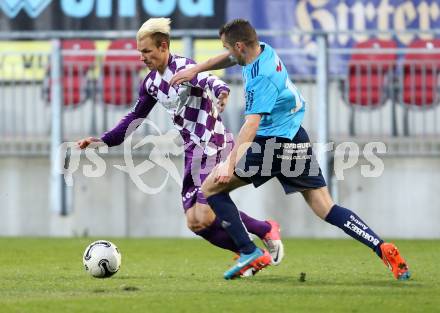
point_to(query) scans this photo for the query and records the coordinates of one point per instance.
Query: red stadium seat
(82, 62)
(420, 72)
(369, 73)
(75, 69)
(120, 80)
(369, 78)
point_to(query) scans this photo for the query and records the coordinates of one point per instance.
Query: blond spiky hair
(154, 25)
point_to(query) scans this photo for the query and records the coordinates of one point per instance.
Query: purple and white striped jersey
(190, 107)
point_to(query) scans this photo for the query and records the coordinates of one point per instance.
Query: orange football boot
(394, 261)
(255, 266)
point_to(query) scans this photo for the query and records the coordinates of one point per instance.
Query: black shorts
(292, 162)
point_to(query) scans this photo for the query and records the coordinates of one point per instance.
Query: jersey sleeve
(141, 109)
(261, 95)
(205, 80)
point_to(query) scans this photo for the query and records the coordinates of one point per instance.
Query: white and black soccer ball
(102, 259)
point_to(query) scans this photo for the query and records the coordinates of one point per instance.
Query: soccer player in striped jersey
(206, 140)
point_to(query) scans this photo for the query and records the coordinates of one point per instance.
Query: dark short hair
(158, 38)
(239, 30)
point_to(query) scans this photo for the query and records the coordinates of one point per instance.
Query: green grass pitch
(185, 275)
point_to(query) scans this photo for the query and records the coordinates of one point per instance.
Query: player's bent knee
(191, 220)
(194, 225)
(197, 222)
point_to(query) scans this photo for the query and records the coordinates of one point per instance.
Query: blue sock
(353, 226)
(227, 212)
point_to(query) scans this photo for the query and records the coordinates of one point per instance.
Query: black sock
(353, 226)
(227, 212)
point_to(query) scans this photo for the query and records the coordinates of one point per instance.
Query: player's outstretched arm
(85, 142)
(225, 170)
(130, 122)
(218, 62)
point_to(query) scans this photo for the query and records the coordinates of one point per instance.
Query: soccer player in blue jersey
(280, 148)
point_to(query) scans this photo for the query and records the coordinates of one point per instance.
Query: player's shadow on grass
(320, 282)
(132, 277)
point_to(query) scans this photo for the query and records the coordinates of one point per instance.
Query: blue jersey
(270, 92)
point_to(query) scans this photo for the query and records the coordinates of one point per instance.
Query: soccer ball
(102, 259)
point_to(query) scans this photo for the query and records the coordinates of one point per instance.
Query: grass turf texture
(185, 275)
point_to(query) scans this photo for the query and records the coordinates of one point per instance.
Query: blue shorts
(292, 162)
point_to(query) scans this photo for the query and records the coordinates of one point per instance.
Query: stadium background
(316, 39)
